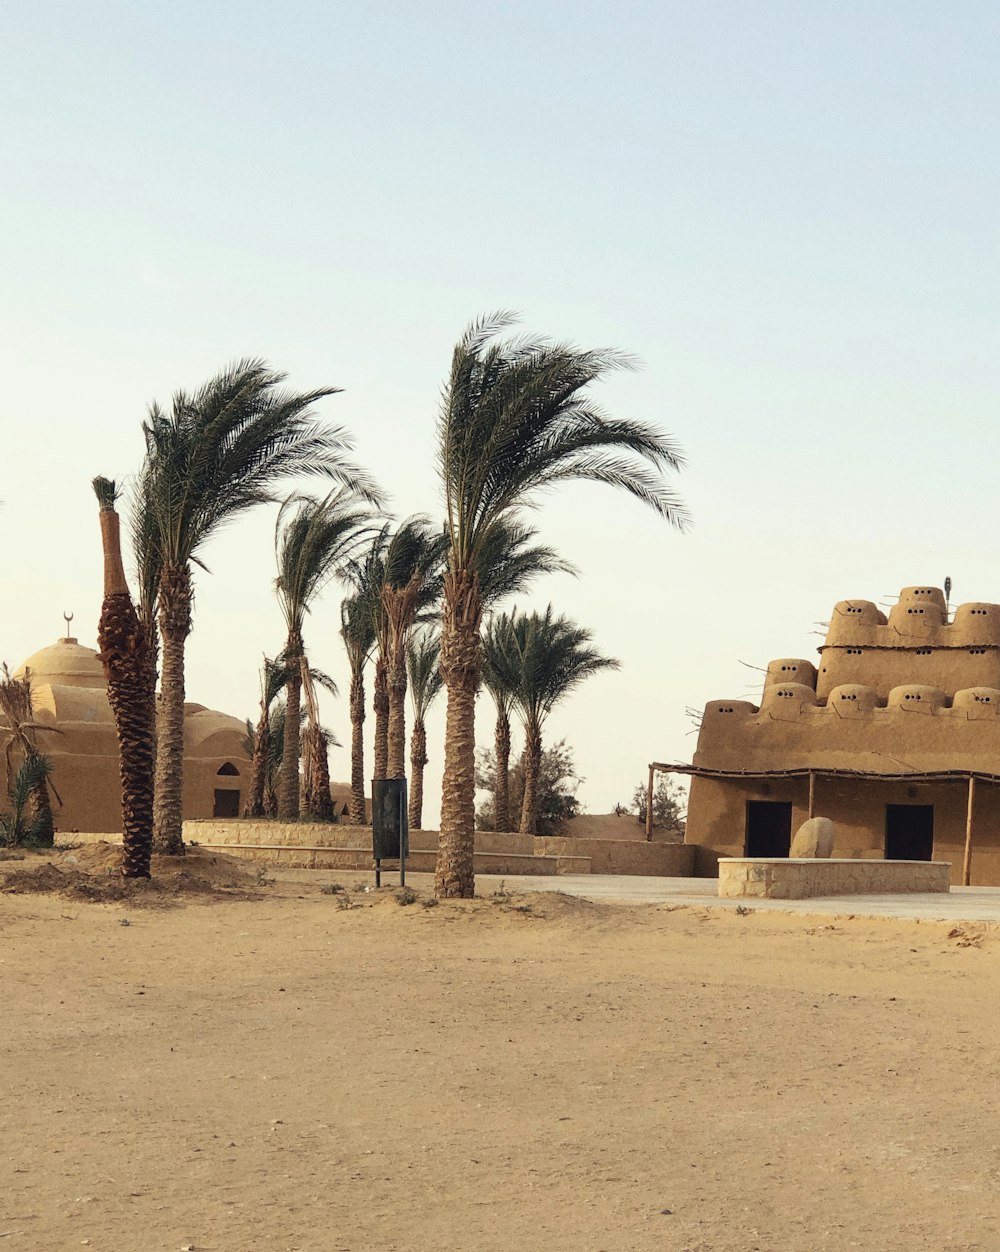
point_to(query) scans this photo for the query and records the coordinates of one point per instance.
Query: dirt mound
(92, 872)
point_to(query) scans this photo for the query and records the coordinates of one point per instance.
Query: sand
(251, 1065)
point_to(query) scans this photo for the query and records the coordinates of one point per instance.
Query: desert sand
(253, 1065)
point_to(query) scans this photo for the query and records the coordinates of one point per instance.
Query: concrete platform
(969, 904)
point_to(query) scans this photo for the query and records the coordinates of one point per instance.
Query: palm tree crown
(222, 449)
(516, 418)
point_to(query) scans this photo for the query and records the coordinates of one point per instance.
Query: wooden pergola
(812, 773)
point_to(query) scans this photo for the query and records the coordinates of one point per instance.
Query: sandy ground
(252, 1065)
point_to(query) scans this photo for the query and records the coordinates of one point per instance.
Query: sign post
(390, 829)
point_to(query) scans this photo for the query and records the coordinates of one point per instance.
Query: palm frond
(314, 540)
(423, 657)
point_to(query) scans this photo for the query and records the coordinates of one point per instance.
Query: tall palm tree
(516, 418)
(357, 629)
(508, 562)
(273, 679)
(422, 664)
(313, 540)
(316, 740)
(411, 584)
(363, 640)
(218, 453)
(551, 656)
(500, 677)
(126, 656)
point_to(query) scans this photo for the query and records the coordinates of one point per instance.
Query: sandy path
(286, 1074)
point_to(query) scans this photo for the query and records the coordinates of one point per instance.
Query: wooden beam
(967, 862)
(812, 794)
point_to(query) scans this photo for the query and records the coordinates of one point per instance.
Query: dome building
(70, 700)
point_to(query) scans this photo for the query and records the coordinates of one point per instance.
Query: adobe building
(895, 736)
(69, 693)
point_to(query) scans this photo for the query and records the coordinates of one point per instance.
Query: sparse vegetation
(558, 782)
(669, 804)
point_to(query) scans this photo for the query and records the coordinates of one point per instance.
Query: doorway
(769, 828)
(909, 832)
(227, 803)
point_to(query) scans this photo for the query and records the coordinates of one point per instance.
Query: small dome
(64, 664)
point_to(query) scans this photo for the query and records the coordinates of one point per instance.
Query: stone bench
(782, 878)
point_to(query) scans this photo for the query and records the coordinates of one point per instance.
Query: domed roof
(65, 664)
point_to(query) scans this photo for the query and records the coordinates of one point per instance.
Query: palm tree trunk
(175, 626)
(258, 769)
(130, 669)
(358, 815)
(532, 768)
(418, 759)
(321, 802)
(461, 665)
(501, 791)
(396, 749)
(380, 702)
(288, 785)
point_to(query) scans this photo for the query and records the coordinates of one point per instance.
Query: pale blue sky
(787, 210)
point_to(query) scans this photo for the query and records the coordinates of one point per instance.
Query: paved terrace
(966, 904)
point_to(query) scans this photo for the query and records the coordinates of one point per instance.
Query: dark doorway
(227, 804)
(909, 832)
(769, 828)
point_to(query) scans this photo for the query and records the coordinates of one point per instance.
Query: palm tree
(411, 584)
(316, 740)
(422, 657)
(24, 823)
(508, 562)
(218, 453)
(357, 629)
(551, 656)
(126, 656)
(273, 679)
(35, 780)
(313, 539)
(500, 676)
(515, 418)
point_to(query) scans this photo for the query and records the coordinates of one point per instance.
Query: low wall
(801, 879)
(320, 845)
(620, 856)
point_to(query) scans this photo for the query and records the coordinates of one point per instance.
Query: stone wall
(320, 845)
(764, 878)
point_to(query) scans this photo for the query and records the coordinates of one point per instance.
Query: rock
(814, 838)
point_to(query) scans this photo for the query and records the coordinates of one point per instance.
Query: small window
(229, 770)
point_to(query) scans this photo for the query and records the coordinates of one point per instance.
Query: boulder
(814, 838)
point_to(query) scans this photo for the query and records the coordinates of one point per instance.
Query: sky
(787, 209)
